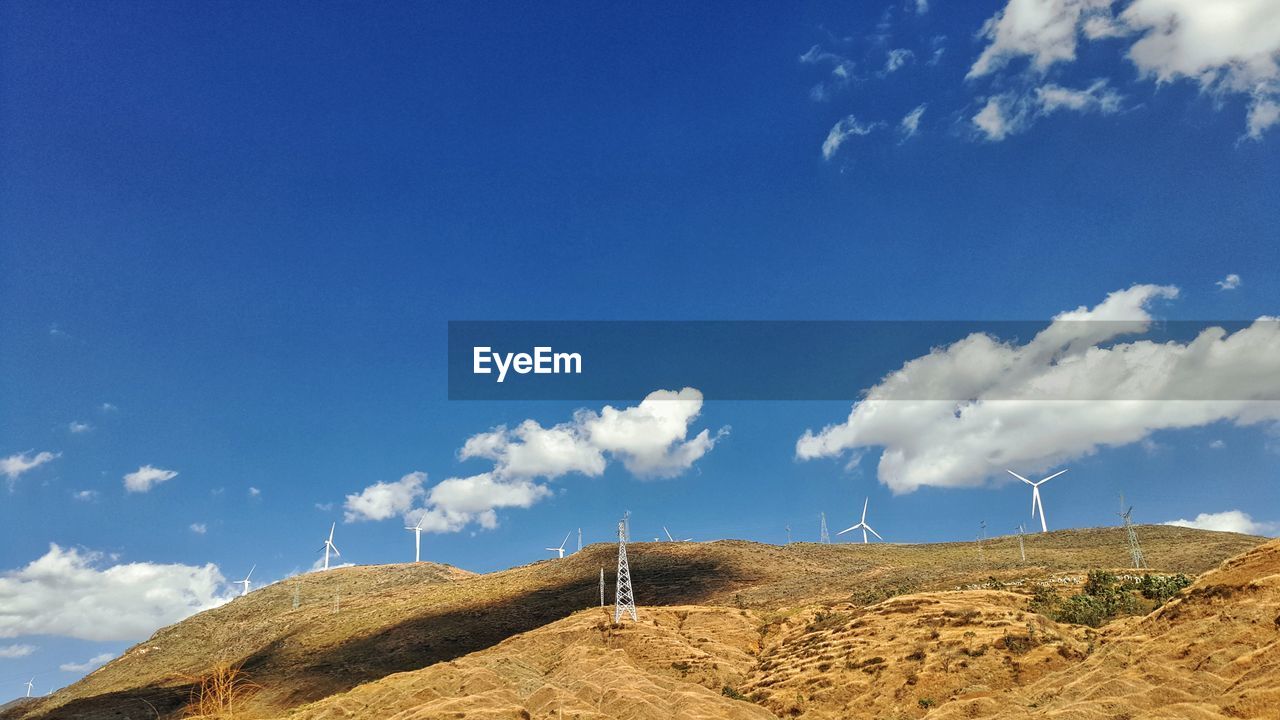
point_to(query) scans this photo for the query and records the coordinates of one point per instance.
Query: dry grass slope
(427, 639)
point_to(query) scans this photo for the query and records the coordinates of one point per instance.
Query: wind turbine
(244, 584)
(328, 545)
(417, 538)
(1036, 502)
(671, 539)
(30, 684)
(862, 524)
(560, 550)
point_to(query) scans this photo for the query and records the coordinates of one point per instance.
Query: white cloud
(383, 500)
(840, 132)
(9, 652)
(897, 58)
(199, 528)
(85, 495)
(1217, 444)
(1024, 408)
(1046, 31)
(147, 477)
(22, 462)
(77, 427)
(650, 439)
(91, 664)
(1228, 521)
(1230, 282)
(1013, 112)
(107, 407)
(1226, 47)
(841, 72)
(531, 450)
(254, 492)
(922, 6)
(69, 593)
(910, 123)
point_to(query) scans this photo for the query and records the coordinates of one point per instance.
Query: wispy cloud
(199, 528)
(85, 495)
(77, 427)
(910, 123)
(15, 465)
(91, 664)
(848, 127)
(1230, 282)
(10, 652)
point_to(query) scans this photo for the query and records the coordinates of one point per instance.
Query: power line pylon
(601, 587)
(1021, 548)
(624, 601)
(1135, 551)
(823, 535)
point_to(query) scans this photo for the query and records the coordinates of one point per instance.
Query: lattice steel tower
(823, 535)
(1135, 552)
(624, 601)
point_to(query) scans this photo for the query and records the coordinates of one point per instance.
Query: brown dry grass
(222, 693)
(403, 618)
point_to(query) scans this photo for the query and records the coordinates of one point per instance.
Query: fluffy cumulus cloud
(1230, 282)
(1228, 521)
(383, 500)
(147, 477)
(71, 593)
(92, 663)
(19, 463)
(848, 127)
(1226, 47)
(1020, 404)
(651, 440)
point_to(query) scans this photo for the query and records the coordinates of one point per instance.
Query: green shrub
(732, 694)
(1162, 587)
(1083, 610)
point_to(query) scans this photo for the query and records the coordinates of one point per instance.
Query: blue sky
(231, 237)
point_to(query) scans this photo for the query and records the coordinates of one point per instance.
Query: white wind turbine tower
(560, 550)
(417, 537)
(862, 524)
(30, 684)
(328, 545)
(244, 584)
(1036, 502)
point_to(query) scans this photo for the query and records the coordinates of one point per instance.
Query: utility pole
(1135, 552)
(823, 535)
(624, 601)
(601, 587)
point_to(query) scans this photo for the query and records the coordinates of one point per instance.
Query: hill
(741, 616)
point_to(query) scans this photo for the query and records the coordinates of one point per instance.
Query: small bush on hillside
(220, 693)
(733, 694)
(1083, 610)
(1162, 587)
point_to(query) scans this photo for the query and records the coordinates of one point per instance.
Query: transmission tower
(788, 534)
(626, 524)
(623, 600)
(601, 587)
(982, 536)
(823, 535)
(1135, 552)
(1021, 548)
(579, 539)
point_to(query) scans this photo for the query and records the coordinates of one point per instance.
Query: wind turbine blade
(855, 527)
(864, 509)
(1035, 499)
(1019, 477)
(565, 540)
(873, 532)
(864, 534)
(1052, 476)
(335, 549)
(668, 532)
(1044, 524)
(331, 529)
(255, 567)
